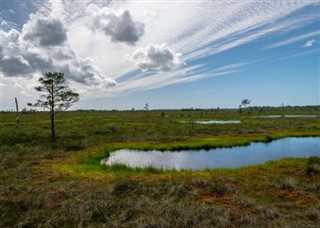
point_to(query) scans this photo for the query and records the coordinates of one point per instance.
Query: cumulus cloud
(309, 43)
(21, 57)
(44, 31)
(156, 58)
(15, 65)
(85, 72)
(118, 25)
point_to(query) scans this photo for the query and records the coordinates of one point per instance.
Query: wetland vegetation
(64, 184)
(234, 157)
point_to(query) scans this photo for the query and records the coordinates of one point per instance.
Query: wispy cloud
(294, 39)
(309, 43)
(8, 25)
(239, 27)
(187, 74)
(298, 54)
(234, 66)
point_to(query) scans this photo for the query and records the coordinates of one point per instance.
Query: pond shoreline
(234, 157)
(90, 160)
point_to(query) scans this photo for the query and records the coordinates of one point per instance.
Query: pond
(219, 122)
(255, 153)
(216, 122)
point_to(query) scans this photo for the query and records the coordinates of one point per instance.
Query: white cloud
(33, 52)
(24, 93)
(294, 39)
(118, 25)
(156, 58)
(309, 43)
(233, 66)
(57, 9)
(187, 74)
(7, 25)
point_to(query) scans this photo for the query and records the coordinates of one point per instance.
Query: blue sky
(170, 54)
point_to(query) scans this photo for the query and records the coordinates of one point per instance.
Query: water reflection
(219, 122)
(233, 157)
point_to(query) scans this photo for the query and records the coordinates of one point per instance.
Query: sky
(170, 54)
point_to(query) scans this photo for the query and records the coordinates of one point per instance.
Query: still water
(219, 122)
(255, 153)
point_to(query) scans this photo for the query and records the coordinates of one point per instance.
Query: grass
(63, 184)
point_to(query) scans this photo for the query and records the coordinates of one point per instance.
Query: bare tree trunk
(17, 118)
(53, 132)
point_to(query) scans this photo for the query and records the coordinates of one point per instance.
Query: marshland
(179, 113)
(64, 183)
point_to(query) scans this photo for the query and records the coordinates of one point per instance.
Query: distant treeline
(256, 109)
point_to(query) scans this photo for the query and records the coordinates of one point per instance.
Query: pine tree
(56, 97)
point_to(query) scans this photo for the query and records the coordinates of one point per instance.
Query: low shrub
(112, 127)
(217, 190)
(313, 165)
